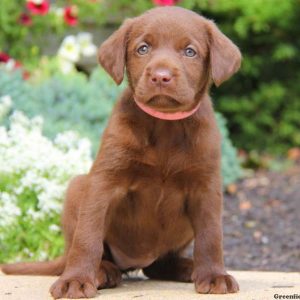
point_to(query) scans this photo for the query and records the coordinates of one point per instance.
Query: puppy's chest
(167, 153)
(162, 169)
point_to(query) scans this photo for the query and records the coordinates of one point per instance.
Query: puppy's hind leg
(109, 275)
(171, 267)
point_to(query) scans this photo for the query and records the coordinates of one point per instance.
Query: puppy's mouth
(164, 103)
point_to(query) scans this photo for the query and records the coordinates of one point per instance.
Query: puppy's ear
(112, 53)
(225, 57)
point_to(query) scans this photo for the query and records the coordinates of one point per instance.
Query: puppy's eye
(142, 50)
(190, 52)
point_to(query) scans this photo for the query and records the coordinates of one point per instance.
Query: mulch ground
(262, 222)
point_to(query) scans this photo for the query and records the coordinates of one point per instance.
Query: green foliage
(231, 169)
(12, 84)
(34, 172)
(27, 42)
(65, 102)
(75, 102)
(31, 239)
(21, 42)
(262, 102)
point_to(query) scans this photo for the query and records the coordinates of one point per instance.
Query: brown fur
(155, 185)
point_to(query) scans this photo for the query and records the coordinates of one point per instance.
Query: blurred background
(55, 101)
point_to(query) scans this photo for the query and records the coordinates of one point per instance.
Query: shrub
(262, 102)
(26, 35)
(34, 172)
(65, 102)
(76, 102)
(231, 169)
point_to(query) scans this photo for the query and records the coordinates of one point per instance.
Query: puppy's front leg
(205, 211)
(79, 279)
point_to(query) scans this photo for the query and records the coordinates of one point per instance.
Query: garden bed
(261, 222)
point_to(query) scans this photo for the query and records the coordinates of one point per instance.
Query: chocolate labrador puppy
(155, 184)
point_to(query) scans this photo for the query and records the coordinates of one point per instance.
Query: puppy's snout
(161, 77)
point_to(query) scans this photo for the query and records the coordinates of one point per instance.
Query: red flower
(17, 65)
(165, 2)
(38, 7)
(25, 19)
(71, 15)
(25, 73)
(4, 58)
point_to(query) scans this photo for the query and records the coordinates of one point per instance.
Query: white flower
(43, 255)
(6, 100)
(10, 65)
(69, 49)
(66, 66)
(27, 252)
(54, 227)
(19, 119)
(58, 11)
(87, 47)
(34, 215)
(72, 48)
(8, 209)
(5, 105)
(38, 169)
(4, 139)
(37, 2)
(37, 122)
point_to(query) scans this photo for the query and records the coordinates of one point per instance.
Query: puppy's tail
(53, 267)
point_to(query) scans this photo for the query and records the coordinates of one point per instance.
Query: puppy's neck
(200, 115)
(165, 134)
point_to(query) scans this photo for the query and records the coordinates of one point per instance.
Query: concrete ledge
(253, 285)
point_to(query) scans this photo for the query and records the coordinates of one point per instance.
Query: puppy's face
(170, 55)
(167, 61)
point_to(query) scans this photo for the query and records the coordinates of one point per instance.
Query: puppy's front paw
(76, 287)
(215, 283)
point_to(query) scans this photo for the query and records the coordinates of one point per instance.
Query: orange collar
(166, 116)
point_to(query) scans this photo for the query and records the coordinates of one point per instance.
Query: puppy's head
(170, 55)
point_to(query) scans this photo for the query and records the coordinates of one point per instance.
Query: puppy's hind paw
(109, 275)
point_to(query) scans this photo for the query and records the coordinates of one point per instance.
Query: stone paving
(253, 285)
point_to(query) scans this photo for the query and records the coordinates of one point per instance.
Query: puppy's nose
(161, 76)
